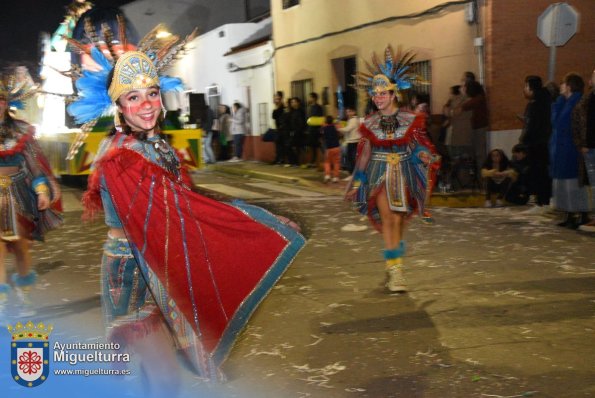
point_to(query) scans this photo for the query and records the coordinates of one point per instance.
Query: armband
(42, 189)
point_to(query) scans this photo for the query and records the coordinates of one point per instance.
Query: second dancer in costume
(177, 267)
(395, 162)
(29, 193)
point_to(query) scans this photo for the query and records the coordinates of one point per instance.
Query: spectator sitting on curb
(498, 176)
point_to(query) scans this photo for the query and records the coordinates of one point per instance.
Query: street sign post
(555, 26)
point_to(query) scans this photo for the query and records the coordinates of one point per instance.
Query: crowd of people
(297, 143)
(552, 165)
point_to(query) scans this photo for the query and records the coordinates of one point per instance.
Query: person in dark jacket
(535, 137)
(281, 138)
(477, 104)
(313, 136)
(583, 129)
(332, 152)
(518, 193)
(296, 127)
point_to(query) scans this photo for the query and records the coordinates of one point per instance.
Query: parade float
(71, 151)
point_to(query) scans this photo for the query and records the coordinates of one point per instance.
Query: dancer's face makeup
(141, 108)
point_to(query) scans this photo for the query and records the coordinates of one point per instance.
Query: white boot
(396, 280)
(22, 289)
(25, 306)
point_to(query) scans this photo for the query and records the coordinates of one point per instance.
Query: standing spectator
(458, 140)
(584, 138)
(280, 140)
(498, 176)
(224, 131)
(207, 128)
(535, 136)
(458, 134)
(238, 130)
(351, 137)
(313, 136)
(477, 104)
(332, 152)
(568, 195)
(467, 78)
(420, 103)
(297, 126)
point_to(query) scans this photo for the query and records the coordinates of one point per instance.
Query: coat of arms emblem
(30, 353)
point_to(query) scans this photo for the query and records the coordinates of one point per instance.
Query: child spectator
(332, 154)
(498, 175)
(519, 189)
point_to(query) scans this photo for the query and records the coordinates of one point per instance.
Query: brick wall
(513, 51)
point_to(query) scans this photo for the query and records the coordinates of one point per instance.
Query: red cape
(215, 261)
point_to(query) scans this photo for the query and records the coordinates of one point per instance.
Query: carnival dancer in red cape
(29, 193)
(178, 270)
(395, 161)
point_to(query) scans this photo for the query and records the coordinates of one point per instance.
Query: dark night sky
(21, 21)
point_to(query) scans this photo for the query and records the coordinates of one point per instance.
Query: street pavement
(500, 304)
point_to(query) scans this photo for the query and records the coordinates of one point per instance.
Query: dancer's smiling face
(141, 108)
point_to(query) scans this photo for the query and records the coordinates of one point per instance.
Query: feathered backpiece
(16, 85)
(394, 72)
(134, 67)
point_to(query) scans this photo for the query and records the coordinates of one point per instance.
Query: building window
(257, 9)
(302, 89)
(263, 117)
(290, 3)
(424, 70)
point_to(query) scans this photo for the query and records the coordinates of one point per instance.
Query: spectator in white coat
(238, 130)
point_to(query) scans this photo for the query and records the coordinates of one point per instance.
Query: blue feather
(403, 84)
(90, 107)
(101, 60)
(386, 70)
(168, 83)
(18, 104)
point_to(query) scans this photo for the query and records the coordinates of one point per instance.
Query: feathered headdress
(16, 86)
(395, 73)
(133, 68)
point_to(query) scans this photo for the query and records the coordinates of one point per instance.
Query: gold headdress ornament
(133, 70)
(396, 73)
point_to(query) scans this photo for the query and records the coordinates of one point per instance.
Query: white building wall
(258, 81)
(204, 64)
